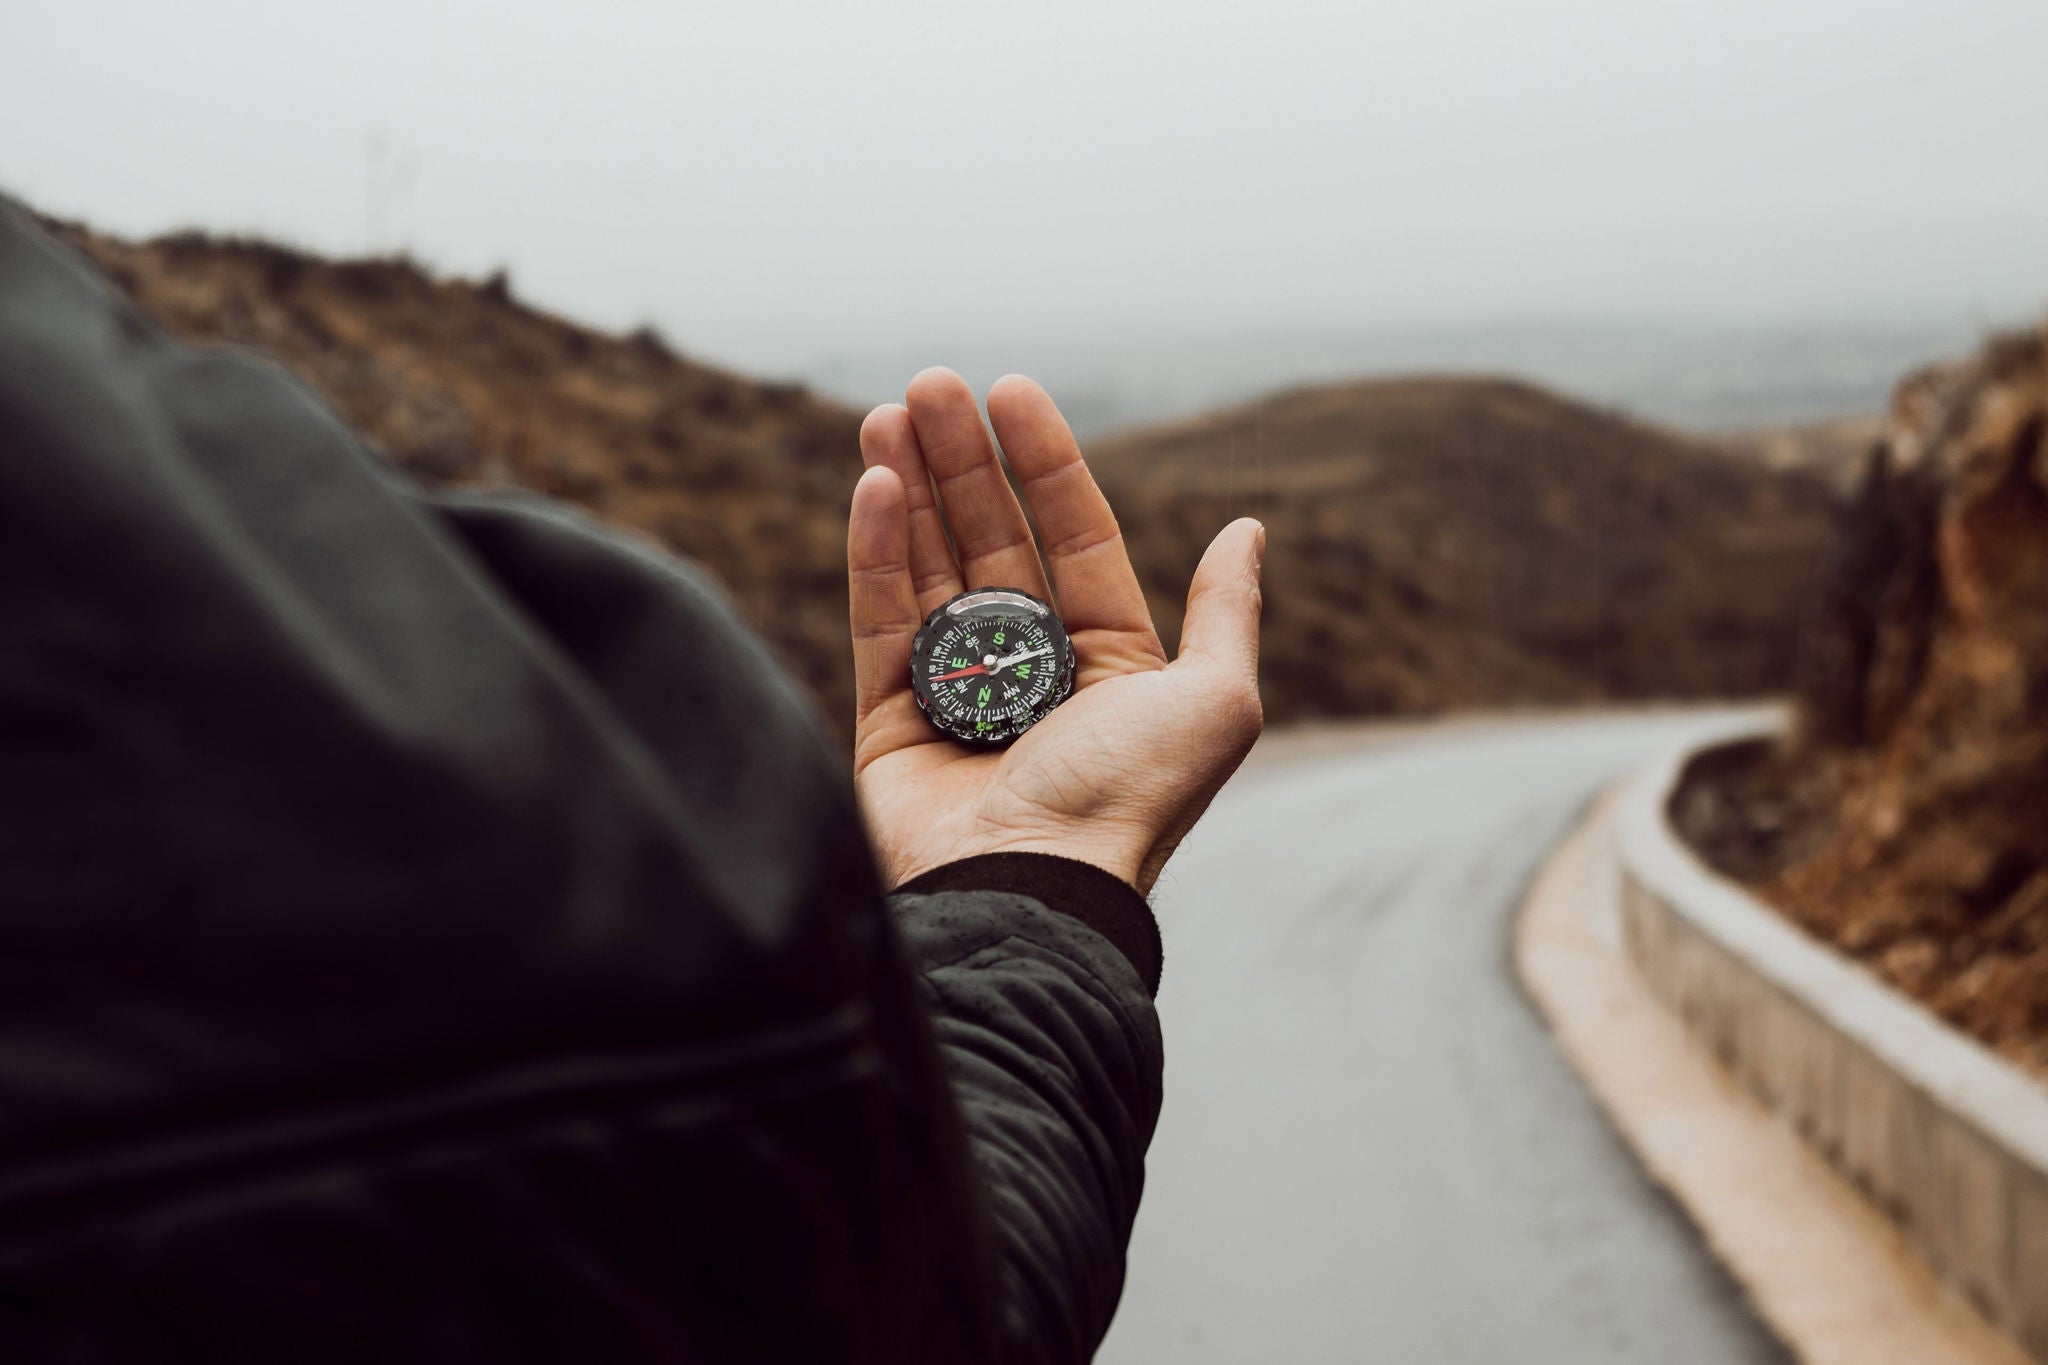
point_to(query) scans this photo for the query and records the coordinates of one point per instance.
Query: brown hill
(1457, 542)
(460, 383)
(1908, 821)
(1435, 542)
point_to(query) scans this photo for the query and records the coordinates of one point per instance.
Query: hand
(1118, 773)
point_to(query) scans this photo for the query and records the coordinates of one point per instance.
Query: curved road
(1371, 1150)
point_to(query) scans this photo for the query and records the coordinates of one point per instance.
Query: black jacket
(432, 928)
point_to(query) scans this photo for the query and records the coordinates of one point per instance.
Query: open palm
(1118, 773)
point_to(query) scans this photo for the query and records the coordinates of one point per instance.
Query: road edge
(1828, 1273)
(1940, 1133)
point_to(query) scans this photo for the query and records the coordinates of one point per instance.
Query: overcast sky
(768, 182)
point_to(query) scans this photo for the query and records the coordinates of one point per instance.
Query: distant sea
(1704, 379)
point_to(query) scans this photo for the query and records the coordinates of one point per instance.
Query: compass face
(990, 664)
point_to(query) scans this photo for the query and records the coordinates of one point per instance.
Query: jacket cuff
(1101, 900)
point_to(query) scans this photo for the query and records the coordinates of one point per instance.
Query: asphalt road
(1371, 1149)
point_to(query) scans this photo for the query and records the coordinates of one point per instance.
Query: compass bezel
(954, 609)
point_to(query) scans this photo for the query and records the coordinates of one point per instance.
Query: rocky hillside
(460, 383)
(1908, 822)
(1435, 542)
(1454, 542)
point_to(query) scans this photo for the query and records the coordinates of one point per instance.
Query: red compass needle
(948, 677)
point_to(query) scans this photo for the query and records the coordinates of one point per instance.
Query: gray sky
(773, 182)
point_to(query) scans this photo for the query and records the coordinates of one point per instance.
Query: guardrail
(1944, 1136)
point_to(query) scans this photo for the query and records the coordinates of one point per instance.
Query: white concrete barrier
(1943, 1135)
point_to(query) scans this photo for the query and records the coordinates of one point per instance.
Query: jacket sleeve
(439, 919)
(430, 928)
(1039, 973)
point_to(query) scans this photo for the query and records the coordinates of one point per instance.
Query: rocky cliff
(1908, 821)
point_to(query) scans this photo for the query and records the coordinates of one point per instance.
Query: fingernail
(1259, 549)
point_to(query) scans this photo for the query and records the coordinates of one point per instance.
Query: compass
(990, 664)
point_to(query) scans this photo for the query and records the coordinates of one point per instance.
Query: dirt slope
(1435, 542)
(1908, 824)
(460, 383)
(1457, 542)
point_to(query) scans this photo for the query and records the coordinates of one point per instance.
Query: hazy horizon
(1697, 378)
(1201, 200)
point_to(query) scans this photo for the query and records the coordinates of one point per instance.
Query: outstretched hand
(1117, 774)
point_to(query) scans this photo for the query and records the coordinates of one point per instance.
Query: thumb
(1223, 601)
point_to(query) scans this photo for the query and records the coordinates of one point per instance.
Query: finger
(888, 440)
(1090, 565)
(1223, 601)
(990, 534)
(880, 601)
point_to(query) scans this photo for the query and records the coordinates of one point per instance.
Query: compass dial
(990, 664)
